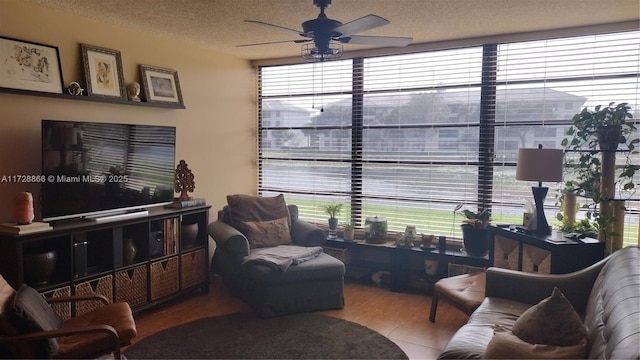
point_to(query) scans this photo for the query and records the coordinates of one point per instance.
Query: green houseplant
(592, 142)
(474, 231)
(332, 209)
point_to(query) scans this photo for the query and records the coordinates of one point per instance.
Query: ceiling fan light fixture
(310, 51)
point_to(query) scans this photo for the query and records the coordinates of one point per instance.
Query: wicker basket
(131, 286)
(62, 309)
(102, 286)
(459, 269)
(164, 278)
(193, 268)
(343, 255)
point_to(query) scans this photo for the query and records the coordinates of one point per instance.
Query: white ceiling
(219, 24)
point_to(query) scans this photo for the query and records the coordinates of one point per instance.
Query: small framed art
(26, 65)
(160, 85)
(103, 71)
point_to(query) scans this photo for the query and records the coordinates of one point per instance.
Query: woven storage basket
(62, 309)
(102, 286)
(164, 278)
(131, 286)
(459, 269)
(343, 255)
(193, 268)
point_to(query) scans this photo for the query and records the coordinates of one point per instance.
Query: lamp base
(542, 226)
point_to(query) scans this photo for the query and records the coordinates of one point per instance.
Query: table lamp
(540, 165)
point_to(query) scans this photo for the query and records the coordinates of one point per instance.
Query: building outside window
(412, 136)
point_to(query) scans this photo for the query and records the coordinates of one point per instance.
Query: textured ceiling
(219, 24)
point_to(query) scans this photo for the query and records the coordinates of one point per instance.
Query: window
(411, 136)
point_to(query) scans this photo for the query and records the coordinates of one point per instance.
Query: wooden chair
(29, 328)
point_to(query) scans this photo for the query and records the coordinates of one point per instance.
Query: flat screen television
(92, 169)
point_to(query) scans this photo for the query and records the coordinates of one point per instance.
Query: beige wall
(216, 134)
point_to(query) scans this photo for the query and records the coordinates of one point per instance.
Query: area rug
(245, 336)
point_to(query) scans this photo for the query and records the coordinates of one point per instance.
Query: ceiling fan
(323, 37)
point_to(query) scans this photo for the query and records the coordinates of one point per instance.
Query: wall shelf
(109, 100)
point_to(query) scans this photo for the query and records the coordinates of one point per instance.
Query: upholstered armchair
(29, 327)
(248, 226)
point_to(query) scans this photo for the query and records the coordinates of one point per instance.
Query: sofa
(273, 290)
(605, 297)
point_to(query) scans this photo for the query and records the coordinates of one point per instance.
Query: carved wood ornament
(184, 180)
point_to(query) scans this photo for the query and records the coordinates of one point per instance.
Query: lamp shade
(536, 164)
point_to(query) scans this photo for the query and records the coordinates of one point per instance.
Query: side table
(517, 250)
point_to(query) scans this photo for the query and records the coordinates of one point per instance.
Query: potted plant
(332, 209)
(347, 233)
(474, 231)
(596, 136)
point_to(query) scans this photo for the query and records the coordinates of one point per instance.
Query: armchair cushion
(268, 233)
(245, 210)
(32, 313)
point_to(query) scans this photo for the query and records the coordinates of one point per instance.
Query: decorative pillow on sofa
(32, 313)
(248, 209)
(552, 321)
(268, 233)
(505, 345)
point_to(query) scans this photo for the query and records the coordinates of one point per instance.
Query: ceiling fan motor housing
(322, 4)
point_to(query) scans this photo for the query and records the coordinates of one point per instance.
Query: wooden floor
(401, 317)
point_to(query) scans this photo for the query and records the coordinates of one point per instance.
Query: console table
(513, 248)
(402, 262)
(143, 261)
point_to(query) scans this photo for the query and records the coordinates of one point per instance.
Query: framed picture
(30, 66)
(160, 85)
(103, 71)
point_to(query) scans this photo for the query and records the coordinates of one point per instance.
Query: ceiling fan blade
(276, 42)
(376, 40)
(277, 27)
(362, 24)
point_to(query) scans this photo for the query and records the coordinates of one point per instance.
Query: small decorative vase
(189, 234)
(39, 267)
(129, 251)
(23, 208)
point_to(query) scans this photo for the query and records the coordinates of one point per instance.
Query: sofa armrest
(306, 234)
(531, 288)
(228, 238)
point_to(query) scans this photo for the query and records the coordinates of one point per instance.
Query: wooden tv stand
(171, 258)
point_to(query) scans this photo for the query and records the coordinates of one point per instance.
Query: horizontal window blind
(540, 86)
(412, 136)
(305, 135)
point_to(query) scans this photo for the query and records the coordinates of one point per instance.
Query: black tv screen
(91, 168)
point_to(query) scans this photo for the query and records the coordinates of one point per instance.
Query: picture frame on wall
(160, 85)
(103, 71)
(26, 65)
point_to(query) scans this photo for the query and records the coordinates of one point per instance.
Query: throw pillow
(248, 208)
(553, 321)
(268, 233)
(32, 313)
(505, 345)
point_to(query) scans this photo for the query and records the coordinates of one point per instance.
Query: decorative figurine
(75, 89)
(184, 180)
(133, 91)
